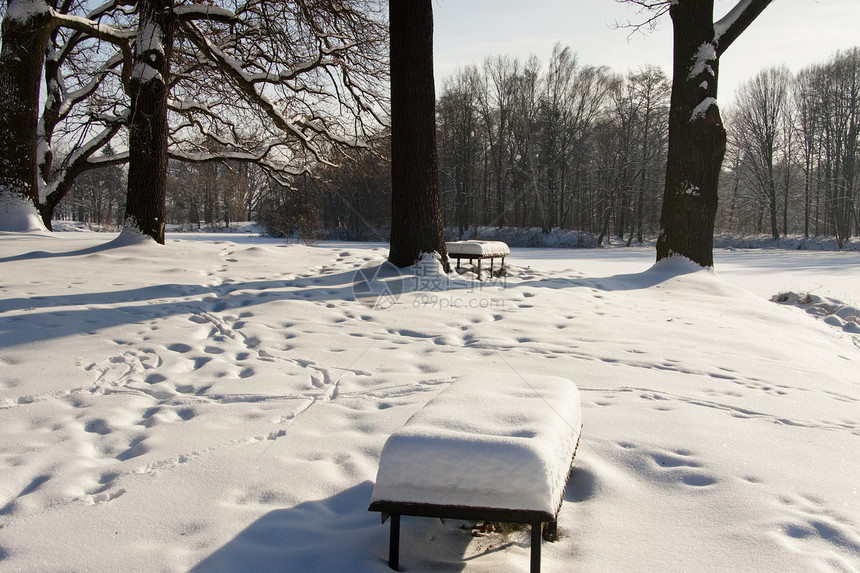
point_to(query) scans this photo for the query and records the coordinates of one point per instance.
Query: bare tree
(806, 113)
(572, 98)
(840, 115)
(145, 208)
(416, 220)
(827, 111)
(460, 146)
(697, 138)
(518, 143)
(286, 85)
(650, 86)
(496, 107)
(529, 203)
(762, 105)
(84, 106)
(625, 110)
(28, 26)
(283, 85)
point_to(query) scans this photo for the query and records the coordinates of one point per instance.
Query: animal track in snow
(812, 528)
(135, 448)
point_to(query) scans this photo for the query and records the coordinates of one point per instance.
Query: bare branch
(727, 30)
(652, 11)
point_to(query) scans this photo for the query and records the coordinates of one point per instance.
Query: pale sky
(792, 32)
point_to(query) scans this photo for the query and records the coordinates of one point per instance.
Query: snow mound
(130, 236)
(832, 311)
(677, 265)
(429, 264)
(17, 215)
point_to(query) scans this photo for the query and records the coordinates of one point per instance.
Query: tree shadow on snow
(58, 320)
(367, 286)
(657, 274)
(116, 243)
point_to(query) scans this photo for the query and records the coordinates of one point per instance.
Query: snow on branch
(738, 19)
(117, 36)
(210, 145)
(82, 93)
(729, 19)
(247, 84)
(108, 160)
(81, 159)
(88, 28)
(188, 12)
(181, 105)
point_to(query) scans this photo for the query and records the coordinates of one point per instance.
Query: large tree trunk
(416, 220)
(697, 138)
(26, 29)
(146, 209)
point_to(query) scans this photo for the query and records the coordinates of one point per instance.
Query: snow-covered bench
(477, 251)
(485, 449)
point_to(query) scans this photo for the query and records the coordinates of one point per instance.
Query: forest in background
(554, 144)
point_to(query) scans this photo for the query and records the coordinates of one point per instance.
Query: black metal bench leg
(394, 543)
(536, 539)
(550, 531)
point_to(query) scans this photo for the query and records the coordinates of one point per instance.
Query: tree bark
(697, 138)
(25, 34)
(146, 209)
(416, 220)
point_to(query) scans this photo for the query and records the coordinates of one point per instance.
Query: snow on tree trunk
(416, 219)
(26, 28)
(146, 209)
(697, 138)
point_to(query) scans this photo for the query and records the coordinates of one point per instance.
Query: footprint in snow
(97, 426)
(136, 448)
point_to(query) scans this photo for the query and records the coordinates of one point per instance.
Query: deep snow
(220, 405)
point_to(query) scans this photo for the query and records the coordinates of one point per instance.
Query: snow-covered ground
(220, 404)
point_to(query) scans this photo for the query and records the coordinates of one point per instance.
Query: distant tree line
(561, 145)
(570, 146)
(794, 153)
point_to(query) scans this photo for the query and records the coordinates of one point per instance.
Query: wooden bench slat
(462, 512)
